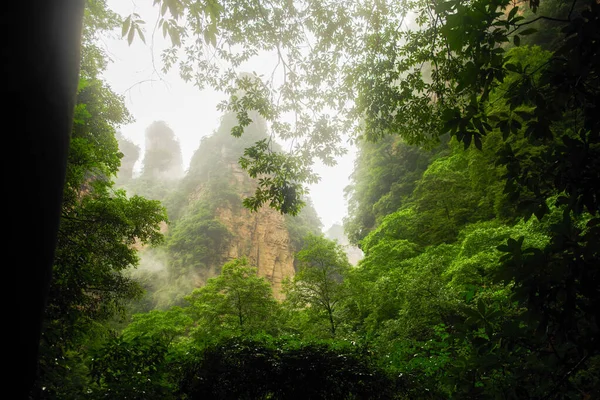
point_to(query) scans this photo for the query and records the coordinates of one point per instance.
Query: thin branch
(542, 17)
(139, 83)
(78, 219)
(152, 45)
(571, 10)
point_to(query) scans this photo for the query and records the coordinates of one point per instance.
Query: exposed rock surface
(263, 238)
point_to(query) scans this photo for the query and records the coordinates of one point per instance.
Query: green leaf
(515, 125)
(139, 31)
(517, 40)
(174, 35)
(503, 248)
(477, 141)
(130, 36)
(468, 136)
(474, 315)
(125, 26)
(165, 28)
(512, 13)
(518, 68)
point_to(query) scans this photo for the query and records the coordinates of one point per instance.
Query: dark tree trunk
(331, 322)
(40, 63)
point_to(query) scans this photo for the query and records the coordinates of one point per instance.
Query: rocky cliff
(208, 214)
(264, 239)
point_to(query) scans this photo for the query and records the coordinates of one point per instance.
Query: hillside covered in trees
(473, 200)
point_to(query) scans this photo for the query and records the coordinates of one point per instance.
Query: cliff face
(263, 238)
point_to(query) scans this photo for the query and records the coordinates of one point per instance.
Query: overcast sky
(191, 113)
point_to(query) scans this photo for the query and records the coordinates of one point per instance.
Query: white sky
(191, 113)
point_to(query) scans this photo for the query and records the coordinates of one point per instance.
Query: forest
(474, 198)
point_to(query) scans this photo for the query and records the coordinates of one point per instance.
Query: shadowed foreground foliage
(247, 368)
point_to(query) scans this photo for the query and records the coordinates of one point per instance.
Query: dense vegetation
(474, 199)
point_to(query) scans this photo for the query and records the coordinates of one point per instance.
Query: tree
(131, 369)
(196, 242)
(370, 72)
(166, 325)
(318, 285)
(237, 301)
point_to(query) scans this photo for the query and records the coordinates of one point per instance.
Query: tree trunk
(41, 53)
(331, 322)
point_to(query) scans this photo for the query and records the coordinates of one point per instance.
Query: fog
(151, 95)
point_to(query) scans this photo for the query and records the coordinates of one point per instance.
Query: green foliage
(317, 288)
(445, 200)
(237, 301)
(411, 298)
(384, 176)
(98, 19)
(277, 175)
(197, 242)
(131, 369)
(255, 368)
(94, 248)
(400, 225)
(478, 261)
(482, 323)
(167, 325)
